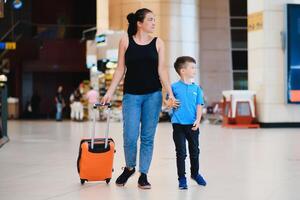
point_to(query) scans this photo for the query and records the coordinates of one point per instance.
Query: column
(215, 49)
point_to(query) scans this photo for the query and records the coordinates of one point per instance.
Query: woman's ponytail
(132, 27)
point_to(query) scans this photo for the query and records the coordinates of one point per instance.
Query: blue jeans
(140, 117)
(58, 111)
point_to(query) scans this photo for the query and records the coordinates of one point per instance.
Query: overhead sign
(101, 40)
(8, 45)
(255, 21)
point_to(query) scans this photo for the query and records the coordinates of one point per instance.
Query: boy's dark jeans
(181, 133)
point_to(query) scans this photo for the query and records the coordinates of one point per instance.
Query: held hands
(196, 125)
(172, 102)
(106, 99)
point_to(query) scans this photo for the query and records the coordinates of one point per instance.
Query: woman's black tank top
(142, 68)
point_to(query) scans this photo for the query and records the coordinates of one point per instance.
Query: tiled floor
(39, 163)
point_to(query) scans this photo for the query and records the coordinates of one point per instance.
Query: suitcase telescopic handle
(95, 106)
(101, 104)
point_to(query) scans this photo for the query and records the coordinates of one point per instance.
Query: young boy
(186, 119)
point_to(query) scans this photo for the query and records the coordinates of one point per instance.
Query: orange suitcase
(95, 158)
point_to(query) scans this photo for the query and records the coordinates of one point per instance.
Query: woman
(141, 56)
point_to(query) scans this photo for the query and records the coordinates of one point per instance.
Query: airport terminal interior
(56, 55)
(39, 162)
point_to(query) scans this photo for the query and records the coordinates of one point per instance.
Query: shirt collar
(183, 83)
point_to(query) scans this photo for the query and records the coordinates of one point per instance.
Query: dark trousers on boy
(181, 133)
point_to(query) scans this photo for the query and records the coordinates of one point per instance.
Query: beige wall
(266, 63)
(215, 48)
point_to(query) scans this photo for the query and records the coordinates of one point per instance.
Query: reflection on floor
(39, 163)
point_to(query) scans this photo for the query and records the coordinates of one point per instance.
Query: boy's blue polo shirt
(189, 95)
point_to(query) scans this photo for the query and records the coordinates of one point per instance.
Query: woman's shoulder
(159, 40)
(159, 43)
(124, 41)
(124, 37)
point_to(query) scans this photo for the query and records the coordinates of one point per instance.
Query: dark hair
(180, 61)
(133, 18)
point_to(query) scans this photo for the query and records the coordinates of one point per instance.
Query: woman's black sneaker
(122, 179)
(143, 182)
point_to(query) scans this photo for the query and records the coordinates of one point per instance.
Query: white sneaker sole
(146, 187)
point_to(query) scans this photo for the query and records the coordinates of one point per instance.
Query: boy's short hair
(180, 61)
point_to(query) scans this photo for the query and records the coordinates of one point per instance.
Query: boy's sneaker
(122, 179)
(182, 183)
(199, 179)
(143, 182)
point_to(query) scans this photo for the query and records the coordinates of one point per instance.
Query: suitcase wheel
(82, 181)
(107, 180)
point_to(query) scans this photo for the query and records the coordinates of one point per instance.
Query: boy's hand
(196, 125)
(172, 103)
